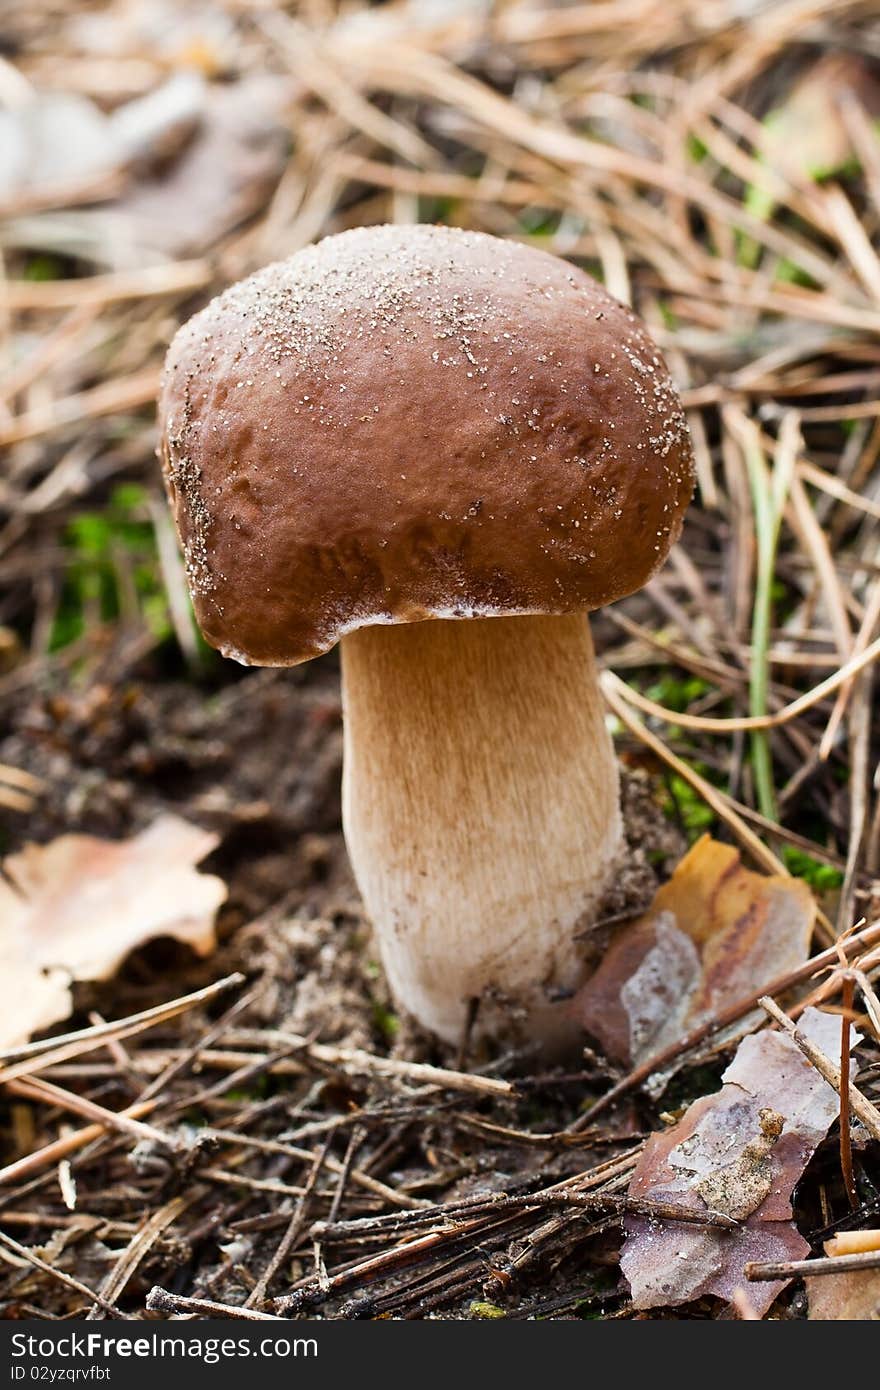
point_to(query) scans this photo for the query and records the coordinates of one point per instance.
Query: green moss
(823, 878)
(676, 692)
(436, 209)
(539, 222)
(480, 1309)
(789, 273)
(385, 1021)
(41, 267)
(685, 805)
(95, 540)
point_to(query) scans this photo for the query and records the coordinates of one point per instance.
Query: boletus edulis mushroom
(440, 450)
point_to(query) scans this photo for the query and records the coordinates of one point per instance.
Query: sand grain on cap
(409, 422)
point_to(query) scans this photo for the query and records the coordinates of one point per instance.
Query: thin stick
(294, 1230)
(62, 1148)
(47, 1091)
(370, 1184)
(848, 986)
(127, 393)
(719, 803)
(734, 724)
(794, 1269)
(357, 1060)
(853, 1243)
(14, 800)
(861, 1106)
(140, 1245)
(159, 1300)
(23, 1253)
(17, 777)
(863, 638)
(120, 1028)
(171, 278)
(341, 1232)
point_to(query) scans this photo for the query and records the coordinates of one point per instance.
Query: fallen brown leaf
(223, 176)
(740, 1151)
(854, 1294)
(73, 909)
(850, 1297)
(60, 139)
(186, 163)
(715, 933)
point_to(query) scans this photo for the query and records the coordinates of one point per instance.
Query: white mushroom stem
(481, 812)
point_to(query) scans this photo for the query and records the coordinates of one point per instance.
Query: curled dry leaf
(865, 1242)
(740, 1152)
(73, 909)
(715, 933)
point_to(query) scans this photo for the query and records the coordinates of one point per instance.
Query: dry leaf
(224, 175)
(73, 909)
(853, 1296)
(195, 160)
(60, 139)
(715, 933)
(740, 1152)
(54, 138)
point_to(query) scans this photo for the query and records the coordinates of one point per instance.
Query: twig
(94, 1037)
(159, 1300)
(18, 777)
(847, 993)
(140, 1245)
(60, 1149)
(793, 1269)
(861, 1106)
(366, 1062)
(181, 277)
(295, 1227)
(736, 724)
(47, 1091)
(109, 398)
(23, 1253)
(853, 1243)
(719, 803)
(277, 1146)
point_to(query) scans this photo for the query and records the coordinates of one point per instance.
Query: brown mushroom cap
(414, 422)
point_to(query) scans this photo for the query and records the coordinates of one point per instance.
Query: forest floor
(720, 171)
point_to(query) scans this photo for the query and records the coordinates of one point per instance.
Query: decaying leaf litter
(293, 1155)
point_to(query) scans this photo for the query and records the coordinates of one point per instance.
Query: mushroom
(392, 431)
